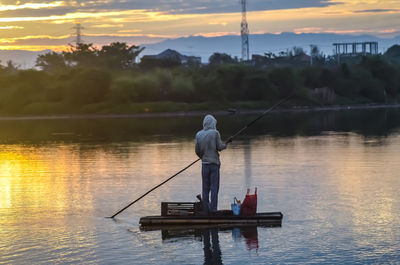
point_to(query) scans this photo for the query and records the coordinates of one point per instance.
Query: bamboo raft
(265, 219)
(189, 214)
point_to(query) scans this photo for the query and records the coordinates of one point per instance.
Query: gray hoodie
(208, 141)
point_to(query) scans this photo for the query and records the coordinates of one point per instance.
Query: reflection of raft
(198, 232)
(265, 219)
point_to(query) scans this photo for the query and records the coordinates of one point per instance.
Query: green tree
(257, 86)
(150, 62)
(310, 75)
(287, 80)
(221, 58)
(393, 54)
(11, 67)
(182, 89)
(51, 62)
(231, 80)
(147, 88)
(89, 86)
(29, 86)
(83, 55)
(296, 51)
(122, 91)
(119, 55)
(318, 57)
(384, 71)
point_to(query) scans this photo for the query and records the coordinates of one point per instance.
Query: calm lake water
(335, 176)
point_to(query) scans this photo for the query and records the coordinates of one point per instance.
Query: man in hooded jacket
(208, 144)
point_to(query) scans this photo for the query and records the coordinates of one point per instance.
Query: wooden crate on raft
(180, 208)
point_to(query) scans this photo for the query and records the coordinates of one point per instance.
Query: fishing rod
(194, 162)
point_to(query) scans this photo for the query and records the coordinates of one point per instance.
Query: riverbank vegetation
(86, 79)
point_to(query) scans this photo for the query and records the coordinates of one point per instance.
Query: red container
(249, 205)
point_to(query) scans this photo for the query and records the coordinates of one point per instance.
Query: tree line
(90, 79)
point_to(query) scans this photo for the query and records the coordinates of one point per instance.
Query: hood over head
(209, 122)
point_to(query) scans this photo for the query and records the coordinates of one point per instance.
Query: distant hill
(261, 43)
(23, 59)
(206, 46)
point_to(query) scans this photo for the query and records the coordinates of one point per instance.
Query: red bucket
(249, 205)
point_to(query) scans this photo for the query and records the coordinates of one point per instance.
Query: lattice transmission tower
(244, 32)
(78, 27)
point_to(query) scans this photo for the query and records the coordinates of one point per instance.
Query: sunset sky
(39, 24)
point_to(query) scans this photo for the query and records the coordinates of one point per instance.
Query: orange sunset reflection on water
(34, 177)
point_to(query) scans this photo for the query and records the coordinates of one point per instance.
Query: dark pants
(210, 177)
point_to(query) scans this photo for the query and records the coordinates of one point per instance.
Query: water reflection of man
(212, 250)
(208, 144)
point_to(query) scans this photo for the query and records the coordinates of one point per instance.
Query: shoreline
(178, 114)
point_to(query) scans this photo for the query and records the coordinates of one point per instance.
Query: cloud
(216, 34)
(138, 14)
(108, 26)
(307, 30)
(130, 31)
(97, 39)
(59, 11)
(5, 7)
(345, 31)
(138, 21)
(376, 10)
(170, 6)
(222, 23)
(386, 31)
(32, 38)
(340, 31)
(11, 27)
(216, 6)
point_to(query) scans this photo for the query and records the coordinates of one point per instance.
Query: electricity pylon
(78, 27)
(244, 32)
